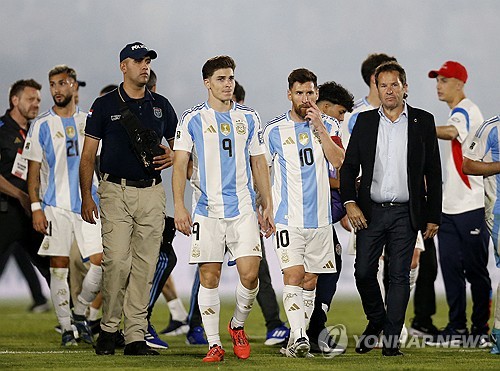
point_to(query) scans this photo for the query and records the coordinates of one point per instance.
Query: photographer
(129, 121)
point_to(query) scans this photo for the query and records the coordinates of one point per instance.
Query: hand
(344, 222)
(40, 223)
(25, 202)
(89, 210)
(355, 215)
(313, 115)
(266, 222)
(165, 160)
(431, 230)
(182, 221)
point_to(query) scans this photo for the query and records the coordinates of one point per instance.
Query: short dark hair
(301, 75)
(107, 89)
(62, 68)
(217, 63)
(239, 92)
(18, 87)
(371, 63)
(390, 67)
(152, 80)
(336, 94)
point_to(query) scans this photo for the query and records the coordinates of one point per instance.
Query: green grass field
(28, 341)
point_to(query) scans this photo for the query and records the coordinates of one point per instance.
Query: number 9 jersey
(300, 185)
(57, 142)
(221, 144)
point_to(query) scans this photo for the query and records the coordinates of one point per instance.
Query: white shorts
(210, 236)
(311, 247)
(64, 227)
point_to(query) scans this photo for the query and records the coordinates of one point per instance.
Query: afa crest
(241, 129)
(225, 128)
(70, 132)
(303, 138)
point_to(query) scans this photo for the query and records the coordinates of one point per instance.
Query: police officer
(132, 200)
(15, 210)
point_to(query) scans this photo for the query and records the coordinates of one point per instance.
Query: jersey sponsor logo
(59, 135)
(17, 140)
(158, 112)
(211, 130)
(289, 140)
(225, 128)
(70, 132)
(115, 117)
(241, 129)
(303, 138)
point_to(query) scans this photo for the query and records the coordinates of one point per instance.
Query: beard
(301, 110)
(64, 102)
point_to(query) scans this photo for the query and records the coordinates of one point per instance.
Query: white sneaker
(299, 349)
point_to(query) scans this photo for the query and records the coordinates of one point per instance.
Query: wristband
(36, 206)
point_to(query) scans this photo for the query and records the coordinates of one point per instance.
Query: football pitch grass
(28, 341)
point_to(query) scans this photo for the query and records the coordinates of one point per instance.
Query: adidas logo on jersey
(256, 248)
(294, 307)
(208, 312)
(211, 130)
(17, 140)
(59, 135)
(329, 264)
(288, 141)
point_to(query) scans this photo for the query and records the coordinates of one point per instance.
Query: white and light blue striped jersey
(300, 185)
(57, 142)
(221, 144)
(485, 146)
(361, 105)
(466, 118)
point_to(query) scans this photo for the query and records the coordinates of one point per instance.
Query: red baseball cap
(450, 69)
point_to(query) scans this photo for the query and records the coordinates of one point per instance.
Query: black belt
(143, 183)
(391, 204)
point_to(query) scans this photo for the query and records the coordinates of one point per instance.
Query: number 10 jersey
(301, 189)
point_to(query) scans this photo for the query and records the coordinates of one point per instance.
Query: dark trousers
(463, 255)
(389, 227)
(16, 227)
(424, 299)
(266, 297)
(325, 290)
(166, 263)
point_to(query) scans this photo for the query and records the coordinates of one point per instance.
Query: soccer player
(463, 236)
(372, 100)
(482, 157)
(225, 142)
(299, 148)
(53, 147)
(334, 100)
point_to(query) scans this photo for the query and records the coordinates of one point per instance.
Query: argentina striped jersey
(221, 144)
(485, 146)
(57, 143)
(301, 190)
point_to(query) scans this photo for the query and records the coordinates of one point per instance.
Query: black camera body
(147, 146)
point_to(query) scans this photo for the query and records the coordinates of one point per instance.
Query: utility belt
(142, 183)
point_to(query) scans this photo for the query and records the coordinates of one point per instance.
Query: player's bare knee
(59, 262)
(310, 280)
(96, 259)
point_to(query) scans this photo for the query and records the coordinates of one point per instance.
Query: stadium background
(267, 39)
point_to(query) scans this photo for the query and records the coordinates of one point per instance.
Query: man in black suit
(395, 146)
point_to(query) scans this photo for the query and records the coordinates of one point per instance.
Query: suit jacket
(424, 166)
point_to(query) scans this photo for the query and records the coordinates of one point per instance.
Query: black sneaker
(105, 344)
(139, 348)
(449, 337)
(175, 328)
(421, 330)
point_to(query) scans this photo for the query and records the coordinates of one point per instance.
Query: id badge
(20, 167)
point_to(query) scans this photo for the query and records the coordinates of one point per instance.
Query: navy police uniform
(132, 208)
